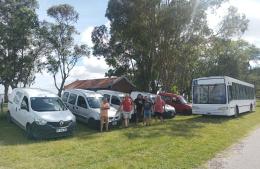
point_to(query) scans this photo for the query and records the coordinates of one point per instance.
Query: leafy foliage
(64, 54)
(170, 42)
(20, 43)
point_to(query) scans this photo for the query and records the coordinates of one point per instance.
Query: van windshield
(42, 104)
(94, 102)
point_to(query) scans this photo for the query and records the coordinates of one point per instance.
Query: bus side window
(230, 96)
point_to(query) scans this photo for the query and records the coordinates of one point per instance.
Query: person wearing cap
(126, 107)
(147, 111)
(104, 114)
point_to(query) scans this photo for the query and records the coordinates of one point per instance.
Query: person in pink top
(159, 107)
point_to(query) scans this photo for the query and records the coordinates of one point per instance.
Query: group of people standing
(142, 107)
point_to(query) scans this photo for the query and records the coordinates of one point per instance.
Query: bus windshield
(209, 94)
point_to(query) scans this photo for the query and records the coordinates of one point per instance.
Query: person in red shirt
(159, 107)
(126, 107)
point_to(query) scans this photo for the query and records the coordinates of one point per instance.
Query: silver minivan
(85, 105)
(40, 113)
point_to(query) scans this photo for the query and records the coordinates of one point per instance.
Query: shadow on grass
(11, 134)
(181, 127)
(185, 126)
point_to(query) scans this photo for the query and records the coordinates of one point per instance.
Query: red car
(178, 102)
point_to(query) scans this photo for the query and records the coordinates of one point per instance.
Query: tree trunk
(6, 86)
(61, 87)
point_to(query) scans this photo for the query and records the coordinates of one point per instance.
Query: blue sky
(92, 13)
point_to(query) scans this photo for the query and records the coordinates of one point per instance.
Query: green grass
(182, 142)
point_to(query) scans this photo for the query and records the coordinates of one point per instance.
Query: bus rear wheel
(236, 112)
(251, 108)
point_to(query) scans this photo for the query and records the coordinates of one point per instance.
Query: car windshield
(42, 104)
(94, 102)
(182, 100)
(209, 94)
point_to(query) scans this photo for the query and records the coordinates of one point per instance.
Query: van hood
(55, 116)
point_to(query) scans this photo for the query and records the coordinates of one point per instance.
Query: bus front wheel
(251, 108)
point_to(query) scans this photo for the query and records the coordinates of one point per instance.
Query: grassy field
(182, 142)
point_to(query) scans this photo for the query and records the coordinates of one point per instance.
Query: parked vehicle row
(43, 114)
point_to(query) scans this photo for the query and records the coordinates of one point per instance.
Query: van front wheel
(29, 133)
(93, 124)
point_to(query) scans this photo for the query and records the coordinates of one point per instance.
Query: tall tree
(64, 53)
(18, 28)
(162, 41)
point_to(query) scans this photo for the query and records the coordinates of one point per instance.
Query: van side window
(115, 100)
(72, 98)
(107, 97)
(176, 100)
(167, 98)
(65, 96)
(82, 102)
(24, 104)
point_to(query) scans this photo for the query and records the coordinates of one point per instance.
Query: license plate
(59, 130)
(114, 123)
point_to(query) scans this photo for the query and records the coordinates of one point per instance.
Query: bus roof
(227, 79)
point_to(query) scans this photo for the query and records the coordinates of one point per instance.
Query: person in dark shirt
(139, 108)
(147, 110)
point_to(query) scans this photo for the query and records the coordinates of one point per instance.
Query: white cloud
(86, 36)
(250, 8)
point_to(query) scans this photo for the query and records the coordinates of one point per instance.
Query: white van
(170, 111)
(40, 113)
(85, 105)
(114, 98)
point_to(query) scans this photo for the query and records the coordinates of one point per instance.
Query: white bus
(222, 95)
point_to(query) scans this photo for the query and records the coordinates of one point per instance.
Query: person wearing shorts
(126, 107)
(159, 107)
(147, 111)
(104, 114)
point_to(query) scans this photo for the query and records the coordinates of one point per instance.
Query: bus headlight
(223, 108)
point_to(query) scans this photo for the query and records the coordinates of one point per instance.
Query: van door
(177, 104)
(71, 103)
(82, 107)
(23, 113)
